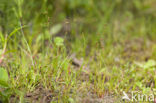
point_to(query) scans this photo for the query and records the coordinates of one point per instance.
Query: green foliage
(3, 77)
(55, 29)
(4, 94)
(58, 41)
(76, 48)
(147, 65)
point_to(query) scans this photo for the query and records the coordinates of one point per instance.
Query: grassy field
(76, 51)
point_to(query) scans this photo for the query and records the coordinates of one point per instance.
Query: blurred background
(84, 24)
(72, 17)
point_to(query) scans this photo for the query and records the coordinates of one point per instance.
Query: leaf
(137, 4)
(59, 41)
(3, 77)
(2, 37)
(1, 52)
(150, 63)
(71, 100)
(103, 70)
(55, 29)
(139, 84)
(15, 30)
(147, 65)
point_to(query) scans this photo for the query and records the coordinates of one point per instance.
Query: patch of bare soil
(91, 98)
(40, 95)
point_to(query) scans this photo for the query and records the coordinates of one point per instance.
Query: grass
(71, 52)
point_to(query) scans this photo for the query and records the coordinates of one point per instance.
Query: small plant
(3, 77)
(59, 41)
(147, 65)
(4, 84)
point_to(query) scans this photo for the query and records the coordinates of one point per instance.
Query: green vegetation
(71, 51)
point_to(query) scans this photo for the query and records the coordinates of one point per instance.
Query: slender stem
(28, 47)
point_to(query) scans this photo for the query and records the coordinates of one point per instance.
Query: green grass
(76, 51)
